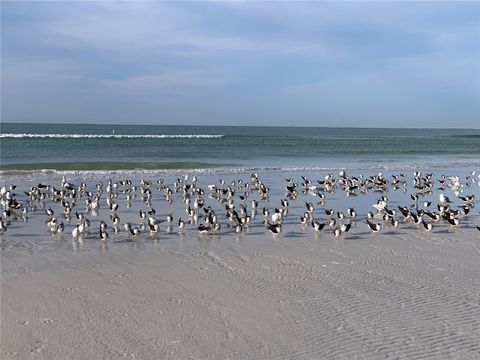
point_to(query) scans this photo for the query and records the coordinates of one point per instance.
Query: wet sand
(389, 296)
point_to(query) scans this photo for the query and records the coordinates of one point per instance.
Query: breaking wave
(113, 136)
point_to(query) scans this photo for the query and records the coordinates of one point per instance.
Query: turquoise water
(37, 147)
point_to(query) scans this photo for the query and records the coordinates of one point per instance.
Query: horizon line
(239, 126)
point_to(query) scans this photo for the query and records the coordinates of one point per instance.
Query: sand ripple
(400, 297)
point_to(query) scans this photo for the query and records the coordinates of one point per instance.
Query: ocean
(33, 148)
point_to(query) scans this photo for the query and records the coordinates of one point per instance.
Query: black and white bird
(133, 231)
(202, 229)
(352, 213)
(329, 212)
(345, 227)
(427, 226)
(103, 235)
(444, 199)
(49, 212)
(181, 224)
(304, 218)
(154, 228)
(317, 226)
(374, 227)
(395, 223)
(76, 231)
(3, 226)
(274, 228)
(453, 222)
(310, 207)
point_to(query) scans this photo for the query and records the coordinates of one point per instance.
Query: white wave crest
(115, 136)
(221, 170)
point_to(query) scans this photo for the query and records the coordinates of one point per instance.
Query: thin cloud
(167, 82)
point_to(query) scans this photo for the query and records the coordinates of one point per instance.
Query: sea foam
(117, 136)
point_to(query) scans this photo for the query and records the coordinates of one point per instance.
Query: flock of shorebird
(77, 202)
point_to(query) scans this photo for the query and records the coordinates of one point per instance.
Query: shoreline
(13, 175)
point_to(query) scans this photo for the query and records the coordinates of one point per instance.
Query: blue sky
(372, 64)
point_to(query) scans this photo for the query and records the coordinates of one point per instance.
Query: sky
(355, 64)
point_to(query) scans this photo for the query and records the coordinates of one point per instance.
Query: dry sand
(394, 296)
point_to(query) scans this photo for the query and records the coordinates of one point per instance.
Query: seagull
(103, 235)
(310, 207)
(317, 226)
(304, 218)
(468, 198)
(49, 212)
(276, 216)
(181, 224)
(395, 223)
(115, 221)
(274, 228)
(453, 222)
(380, 205)
(266, 212)
(345, 227)
(404, 210)
(133, 231)
(444, 199)
(352, 213)
(153, 227)
(3, 226)
(76, 231)
(374, 227)
(390, 212)
(202, 229)
(428, 226)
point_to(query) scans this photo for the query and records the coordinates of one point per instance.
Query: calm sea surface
(60, 147)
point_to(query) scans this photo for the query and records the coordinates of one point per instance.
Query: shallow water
(32, 235)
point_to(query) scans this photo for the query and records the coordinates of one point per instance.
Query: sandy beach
(399, 296)
(401, 293)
